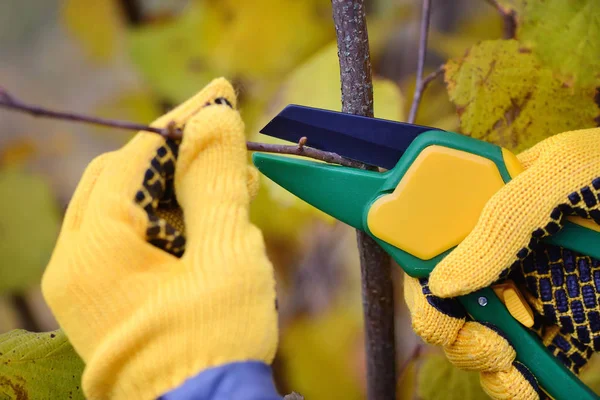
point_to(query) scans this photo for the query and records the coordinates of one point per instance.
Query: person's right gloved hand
(561, 178)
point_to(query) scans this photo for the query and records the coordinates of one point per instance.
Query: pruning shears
(402, 211)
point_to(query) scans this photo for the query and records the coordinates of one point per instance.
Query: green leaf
(504, 94)
(563, 34)
(39, 366)
(29, 223)
(439, 380)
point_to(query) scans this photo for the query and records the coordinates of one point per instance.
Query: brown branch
(302, 142)
(171, 131)
(25, 313)
(425, 18)
(301, 150)
(12, 103)
(421, 85)
(133, 12)
(377, 289)
(508, 16)
(414, 355)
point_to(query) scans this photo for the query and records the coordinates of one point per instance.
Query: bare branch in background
(414, 355)
(425, 18)
(509, 17)
(25, 313)
(10, 102)
(171, 131)
(420, 87)
(377, 288)
(133, 12)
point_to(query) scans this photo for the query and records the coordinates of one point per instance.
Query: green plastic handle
(573, 237)
(554, 378)
(484, 306)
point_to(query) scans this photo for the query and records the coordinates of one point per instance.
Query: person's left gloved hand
(158, 273)
(561, 179)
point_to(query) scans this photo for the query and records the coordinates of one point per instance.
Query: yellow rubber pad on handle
(437, 202)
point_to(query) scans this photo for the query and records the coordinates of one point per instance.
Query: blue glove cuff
(249, 380)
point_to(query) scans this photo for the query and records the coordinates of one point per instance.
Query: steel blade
(369, 140)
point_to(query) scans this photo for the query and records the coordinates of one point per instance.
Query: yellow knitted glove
(469, 345)
(144, 306)
(562, 178)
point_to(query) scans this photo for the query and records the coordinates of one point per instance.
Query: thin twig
(420, 89)
(329, 157)
(171, 131)
(302, 142)
(414, 355)
(432, 76)
(10, 102)
(425, 18)
(508, 16)
(377, 288)
(133, 12)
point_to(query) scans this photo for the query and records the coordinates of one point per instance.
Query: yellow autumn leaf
(18, 151)
(262, 39)
(563, 35)
(487, 26)
(96, 24)
(591, 374)
(503, 94)
(438, 379)
(316, 83)
(281, 219)
(270, 36)
(132, 105)
(406, 385)
(327, 342)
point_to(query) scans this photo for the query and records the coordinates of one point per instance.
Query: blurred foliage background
(133, 60)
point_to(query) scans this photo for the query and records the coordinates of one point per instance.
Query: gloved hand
(145, 306)
(561, 178)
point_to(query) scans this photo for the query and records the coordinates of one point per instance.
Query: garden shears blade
(427, 202)
(371, 141)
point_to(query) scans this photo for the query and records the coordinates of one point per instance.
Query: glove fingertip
(222, 88)
(515, 383)
(463, 271)
(253, 181)
(450, 282)
(526, 373)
